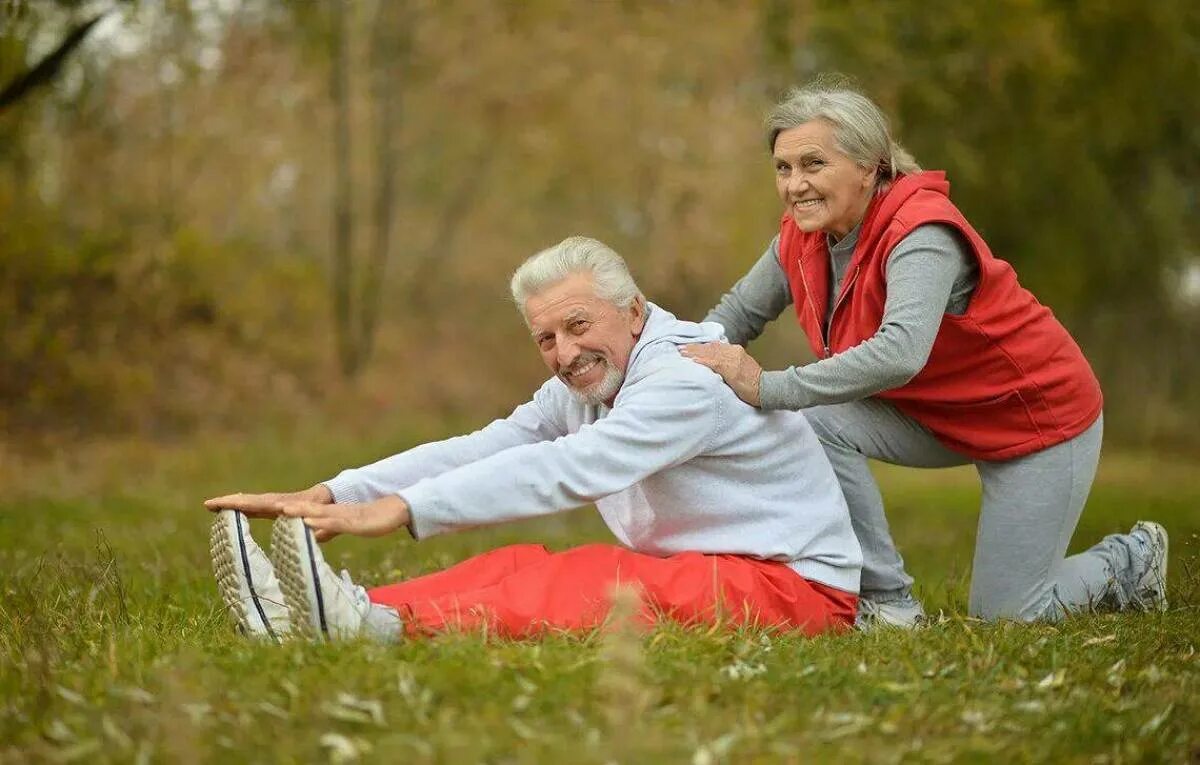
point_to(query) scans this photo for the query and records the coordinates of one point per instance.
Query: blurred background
(227, 214)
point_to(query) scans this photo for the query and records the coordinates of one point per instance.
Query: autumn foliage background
(247, 243)
(222, 214)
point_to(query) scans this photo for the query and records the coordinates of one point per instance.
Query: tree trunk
(343, 223)
(390, 46)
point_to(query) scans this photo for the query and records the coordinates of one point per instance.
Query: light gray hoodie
(678, 464)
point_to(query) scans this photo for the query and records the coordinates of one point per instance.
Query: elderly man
(722, 511)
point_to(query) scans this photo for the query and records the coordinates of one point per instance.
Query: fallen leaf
(1099, 640)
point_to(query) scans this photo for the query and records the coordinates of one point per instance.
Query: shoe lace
(357, 592)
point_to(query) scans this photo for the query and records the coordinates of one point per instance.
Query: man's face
(584, 340)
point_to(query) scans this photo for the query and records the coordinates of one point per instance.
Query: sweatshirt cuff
(423, 515)
(778, 390)
(344, 488)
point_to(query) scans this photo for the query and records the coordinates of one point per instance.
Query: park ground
(114, 647)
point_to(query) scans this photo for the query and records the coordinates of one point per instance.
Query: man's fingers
(242, 501)
(253, 505)
(330, 526)
(311, 510)
(296, 509)
(323, 535)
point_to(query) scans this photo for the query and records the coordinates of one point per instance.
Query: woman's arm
(923, 271)
(757, 298)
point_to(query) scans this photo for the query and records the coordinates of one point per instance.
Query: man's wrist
(321, 494)
(397, 509)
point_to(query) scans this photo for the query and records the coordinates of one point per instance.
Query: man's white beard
(600, 392)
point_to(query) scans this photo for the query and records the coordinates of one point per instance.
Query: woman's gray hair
(860, 127)
(576, 254)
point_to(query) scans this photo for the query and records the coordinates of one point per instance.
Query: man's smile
(576, 373)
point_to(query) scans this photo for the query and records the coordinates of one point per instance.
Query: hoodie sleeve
(663, 419)
(537, 420)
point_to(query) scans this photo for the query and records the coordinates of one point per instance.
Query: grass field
(113, 646)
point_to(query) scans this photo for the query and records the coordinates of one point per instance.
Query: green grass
(113, 646)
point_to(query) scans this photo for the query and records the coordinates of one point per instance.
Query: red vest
(1003, 380)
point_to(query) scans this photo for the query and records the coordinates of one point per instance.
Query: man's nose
(568, 351)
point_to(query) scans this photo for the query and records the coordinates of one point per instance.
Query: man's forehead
(572, 298)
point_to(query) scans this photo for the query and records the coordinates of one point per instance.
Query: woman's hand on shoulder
(738, 368)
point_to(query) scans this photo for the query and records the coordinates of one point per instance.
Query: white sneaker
(1150, 592)
(245, 579)
(905, 613)
(322, 604)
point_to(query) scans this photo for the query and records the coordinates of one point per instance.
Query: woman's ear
(870, 177)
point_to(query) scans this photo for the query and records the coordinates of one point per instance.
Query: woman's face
(822, 187)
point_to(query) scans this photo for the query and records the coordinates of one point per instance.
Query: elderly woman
(929, 354)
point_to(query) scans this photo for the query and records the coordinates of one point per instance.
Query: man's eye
(781, 168)
(580, 327)
(545, 341)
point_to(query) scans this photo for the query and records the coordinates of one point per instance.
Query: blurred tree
(168, 247)
(44, 71)
(358, 288)
(343, 219)
(391, 46)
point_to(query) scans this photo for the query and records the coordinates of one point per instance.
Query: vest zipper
(811, 307)
(832, 314)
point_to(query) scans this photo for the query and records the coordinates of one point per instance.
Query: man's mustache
(582, 362)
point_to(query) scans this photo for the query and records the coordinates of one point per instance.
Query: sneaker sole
(1159, 535)
(291, 553)
(231, 568)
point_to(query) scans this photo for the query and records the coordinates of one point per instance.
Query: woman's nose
(796, 184)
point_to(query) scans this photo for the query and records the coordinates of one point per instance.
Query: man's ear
(638, 312)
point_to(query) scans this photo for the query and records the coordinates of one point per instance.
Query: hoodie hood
(663, 334)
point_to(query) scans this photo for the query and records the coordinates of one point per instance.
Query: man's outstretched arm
(661, 421)
(531, 422)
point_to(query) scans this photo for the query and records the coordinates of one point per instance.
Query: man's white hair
(860, 128)
(574, 255)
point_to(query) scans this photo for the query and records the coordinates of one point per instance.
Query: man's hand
(365, 519)
(269, 505)
(738, 368)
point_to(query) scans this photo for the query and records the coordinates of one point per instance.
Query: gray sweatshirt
(930, 272)
(678, 464)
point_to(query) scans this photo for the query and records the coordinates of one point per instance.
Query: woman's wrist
(778, 390)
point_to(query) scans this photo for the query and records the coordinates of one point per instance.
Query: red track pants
(524, 590)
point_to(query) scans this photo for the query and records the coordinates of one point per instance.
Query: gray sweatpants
(1030, 507)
